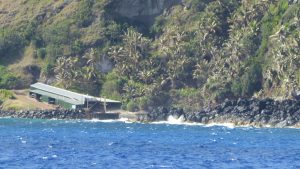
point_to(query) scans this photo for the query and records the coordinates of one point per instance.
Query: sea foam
(177, 121)
(228, 125)
(125, 120)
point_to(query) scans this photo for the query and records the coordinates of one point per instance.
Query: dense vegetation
(5, 94)
(7, 79)
(197, 53)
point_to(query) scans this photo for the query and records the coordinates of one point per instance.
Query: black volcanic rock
(266, 112)
(44, 114)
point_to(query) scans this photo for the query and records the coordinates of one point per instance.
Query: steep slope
(150, 53)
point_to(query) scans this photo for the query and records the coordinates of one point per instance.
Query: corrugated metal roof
(69, 96)
(107, 100)
(55, 96)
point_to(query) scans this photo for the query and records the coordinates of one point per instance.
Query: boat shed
(68, 99)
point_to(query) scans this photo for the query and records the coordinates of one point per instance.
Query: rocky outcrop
(253, 112)
(143, 11)
(44, 114)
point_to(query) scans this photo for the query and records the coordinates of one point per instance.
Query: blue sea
(116, 144)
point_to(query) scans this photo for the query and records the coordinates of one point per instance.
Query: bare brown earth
(22, 101)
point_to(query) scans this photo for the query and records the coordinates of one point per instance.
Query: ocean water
(108, 144)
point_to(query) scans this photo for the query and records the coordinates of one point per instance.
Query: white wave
(22, 140)
(44, 158)
(181, 121)
(177, 121)
(213, 140)
(268, 126)
(125, 120)
(165, 166)
(293, 127)
(7, 117)
(214, 134)
(228, 125)
(173, 120)
(111, 143)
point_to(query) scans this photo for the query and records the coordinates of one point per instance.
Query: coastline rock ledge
(241, 112)
(44, 114)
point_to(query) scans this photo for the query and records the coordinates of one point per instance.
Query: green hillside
(187, 53)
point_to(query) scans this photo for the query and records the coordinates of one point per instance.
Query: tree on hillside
(66, 71)
(90, 70)
(173, 49)
(129, 56)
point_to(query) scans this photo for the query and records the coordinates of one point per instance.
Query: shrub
(6, 94)
(41, 53)
(252, 80)
(145, 103)
(157, 27)
(189, 99)
(47, 69)
(84, 15)
(160, 98)
(132, 106)
(113, 85)
(77, 47)
(223, 94)
(58, 33)
(111, 89)
(236, 88)
(54, 51)
(10, 42)
(37, 41)
(7, 79)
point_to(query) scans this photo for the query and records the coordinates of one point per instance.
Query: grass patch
(17, 105)
(6, 94)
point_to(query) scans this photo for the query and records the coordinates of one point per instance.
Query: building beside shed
(71, 100)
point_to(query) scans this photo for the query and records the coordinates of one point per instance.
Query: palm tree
(66, 70)
(91, 58)
(128, 57)
(89, 73)
(62, 72)
(90, 70)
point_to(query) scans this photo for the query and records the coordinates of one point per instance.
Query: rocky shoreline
(44, 114)
(241, 112)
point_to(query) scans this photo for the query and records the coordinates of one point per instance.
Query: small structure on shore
(71, 100)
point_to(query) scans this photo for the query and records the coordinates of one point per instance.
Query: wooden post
(104, 105)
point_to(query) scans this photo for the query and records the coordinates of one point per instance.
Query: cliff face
(137, 8)
(143, 11)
